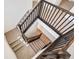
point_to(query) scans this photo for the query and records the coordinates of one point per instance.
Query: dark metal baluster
(41, 43)
(66, 24)
(48, 11)
(60, 19)
(33, 47)
(63, 22)
(55, 16)
(36, 42)
(37, 10)
(45, 10)
(21, 29)
(24, 26)
(68, 28)
(28, 21)
(41, 7)
(23, 20)
(36, 46)
(31, 17)
(34, 15)
(50, 14)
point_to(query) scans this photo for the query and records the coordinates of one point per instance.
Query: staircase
(60, 45)
(16, 45)
(57, 18)
(14, 39)
(32, 44)
(38, 42)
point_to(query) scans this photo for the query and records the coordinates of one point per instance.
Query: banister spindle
(55, 16)
(48, 12)
(68, 28)
(66, 24)
(61, 19)
(64, 21)
(43, 10)
(52, 15)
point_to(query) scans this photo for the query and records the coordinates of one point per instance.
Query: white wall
(51, 34)
(8, 52)
(14, 11)
(56, 2)
(72, 9)
(71, 0)
(32, 30)
(71, 51)
(38, 24)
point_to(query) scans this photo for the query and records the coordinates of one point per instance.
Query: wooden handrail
(31, 39)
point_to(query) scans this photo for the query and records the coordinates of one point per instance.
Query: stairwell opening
(39, 27)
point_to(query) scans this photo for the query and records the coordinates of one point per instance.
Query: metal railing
(29, 19)
(57, 18)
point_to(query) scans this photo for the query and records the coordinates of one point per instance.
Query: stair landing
(26, 52)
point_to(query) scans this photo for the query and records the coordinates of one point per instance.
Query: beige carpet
(66, 4)
(26, 52)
